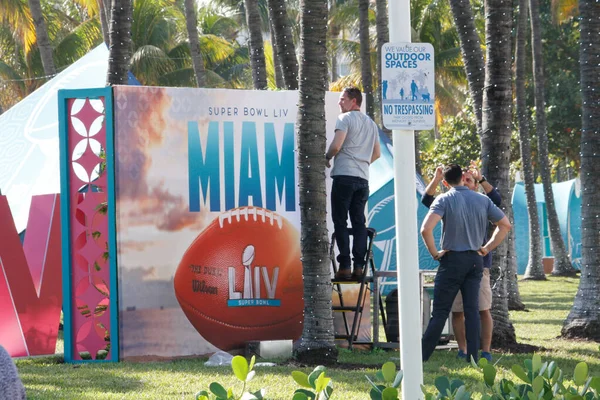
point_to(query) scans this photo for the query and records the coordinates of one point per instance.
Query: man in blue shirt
(473, 179)
(465, 214)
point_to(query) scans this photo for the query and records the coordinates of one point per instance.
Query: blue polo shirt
(494, 196)
(465, 214)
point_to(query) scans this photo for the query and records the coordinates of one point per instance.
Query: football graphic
(241, 279)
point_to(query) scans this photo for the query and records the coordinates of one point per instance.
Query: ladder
(370, 274)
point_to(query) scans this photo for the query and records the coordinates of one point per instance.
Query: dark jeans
(458, 271)
(349, 195)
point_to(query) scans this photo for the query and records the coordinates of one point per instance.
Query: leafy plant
(391, 381)
(448, 390)
(244, 373)
(317, 381)
(542, 380)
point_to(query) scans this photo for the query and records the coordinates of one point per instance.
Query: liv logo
(30, 279)
(251, 295)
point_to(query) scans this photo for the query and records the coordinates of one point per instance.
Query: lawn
(548, 303)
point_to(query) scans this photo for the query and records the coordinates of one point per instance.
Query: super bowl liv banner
(207, 218)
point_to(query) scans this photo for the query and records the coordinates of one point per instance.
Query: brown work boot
(358, 273)
(343, 275)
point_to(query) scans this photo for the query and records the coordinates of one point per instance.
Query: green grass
(548, 304)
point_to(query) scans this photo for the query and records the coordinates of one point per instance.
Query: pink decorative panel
(90, 273)
(30, 279)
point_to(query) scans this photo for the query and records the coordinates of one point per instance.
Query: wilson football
(241, 279)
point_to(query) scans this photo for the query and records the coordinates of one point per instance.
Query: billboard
(207, 218)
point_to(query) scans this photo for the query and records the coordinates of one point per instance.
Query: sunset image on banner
(207, 218)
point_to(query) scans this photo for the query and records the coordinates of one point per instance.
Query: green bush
(386, 382)
(244, 373)
(317, 381)
(540, 381)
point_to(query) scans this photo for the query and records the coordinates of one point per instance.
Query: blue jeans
(349, 195)
(458, 271)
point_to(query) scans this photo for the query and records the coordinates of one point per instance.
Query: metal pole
(407, 250)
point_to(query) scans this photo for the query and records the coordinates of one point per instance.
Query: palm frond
(16, 14)
(75, 45)
(149, 63)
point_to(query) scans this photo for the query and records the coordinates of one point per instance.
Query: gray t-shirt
(465, 214)
(354, 157)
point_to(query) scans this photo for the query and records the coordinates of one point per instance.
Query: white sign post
(408, 86)
(407, 261)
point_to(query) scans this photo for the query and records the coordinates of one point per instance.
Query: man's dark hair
(354, 93)
(453, 174)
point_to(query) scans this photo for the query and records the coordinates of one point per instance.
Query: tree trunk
(471, 53)
(257, 51)
(277, 69)
(512, 282)
(562, 264)
(383, 36)
(191, 22)
(495, 146)
(365, 56)
(284, 43)
(120, 42)
(41, 33)
(584, 319)
(418, 168)
(317, 342)
(535, 269)
(104, 23)
(334, 32)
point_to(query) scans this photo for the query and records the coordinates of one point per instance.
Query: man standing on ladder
(355, 146)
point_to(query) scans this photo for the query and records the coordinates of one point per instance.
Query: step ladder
(370, 274)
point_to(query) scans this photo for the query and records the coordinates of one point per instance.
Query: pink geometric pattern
(90, 273)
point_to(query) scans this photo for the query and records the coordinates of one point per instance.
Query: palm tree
(472, 54)
(366, 70)
(431, 24)
(191, 21)
(104, 21)
(257, 52)
(584, 319)
(512, 284)
(534, 269)
(383, 36)
(317, 341)
(495, 145)
(120, 42)
(279, 82)
(284, 42)
(21, 68)
(41, 33)
(562, 265)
